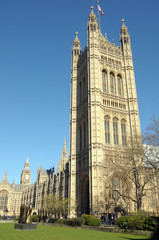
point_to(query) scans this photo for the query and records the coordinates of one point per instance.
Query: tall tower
(104, 113)
(26, 174)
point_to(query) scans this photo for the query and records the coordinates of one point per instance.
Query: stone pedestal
(24, 226)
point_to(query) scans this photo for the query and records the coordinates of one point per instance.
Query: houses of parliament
(104, 119)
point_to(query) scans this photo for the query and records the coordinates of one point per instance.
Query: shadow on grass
(134, 238)
(155, 236)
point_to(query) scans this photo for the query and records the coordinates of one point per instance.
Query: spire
(124, 29)
(27, 163)
(76, 50)
(5, 176)
(77, 35)
(92, 16)
(76, 42)
(64, 158)
(64, 145)
(123, 21)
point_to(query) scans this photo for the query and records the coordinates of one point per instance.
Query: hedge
(91, 220)
(72, 222)
(138, 221)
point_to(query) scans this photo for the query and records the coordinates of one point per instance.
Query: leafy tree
(56, 205)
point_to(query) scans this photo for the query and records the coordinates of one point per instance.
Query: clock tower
(26, 173)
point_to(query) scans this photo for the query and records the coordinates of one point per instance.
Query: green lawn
(7, 232)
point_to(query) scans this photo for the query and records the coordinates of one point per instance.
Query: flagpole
(98, 15)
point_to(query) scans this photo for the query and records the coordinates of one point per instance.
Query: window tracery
(104, 80)
(115, 130)
(112, 84)
(107, 130)
(119, 84)
(123, 132)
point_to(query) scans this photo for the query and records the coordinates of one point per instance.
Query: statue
(24, 222)
(29, 217)
(23, 214)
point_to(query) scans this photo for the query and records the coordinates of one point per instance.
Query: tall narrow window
(3, 200)
(84, 135)
(112, 85)
(115, 130)
(80, 138)
(119, 82)
(80, 92)
(123, 132)
(117, 188)
(104, 81)
(84, 90)
(107, 130)
(152, 200)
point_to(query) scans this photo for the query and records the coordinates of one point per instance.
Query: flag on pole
(100, 10)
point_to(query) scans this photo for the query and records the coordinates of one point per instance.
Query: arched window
(3, 200)
(104, 80)
(107, 130)
(115, 130)
(116, 185)
(119, 82)
(117, 189)
(123, 132)
(112, 85)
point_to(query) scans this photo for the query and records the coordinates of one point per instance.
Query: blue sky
(36, 38)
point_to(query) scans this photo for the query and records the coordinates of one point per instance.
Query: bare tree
(136, 171)
(151, 141)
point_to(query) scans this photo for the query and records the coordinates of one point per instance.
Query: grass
(7, 232)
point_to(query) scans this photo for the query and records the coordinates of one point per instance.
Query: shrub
(35, 218)
(135, 223)
(91, 220)
(53, 220)
(16, 219)
(61, 221)
(72, 222)
(150, 223)
(122, 222)
(138, 221)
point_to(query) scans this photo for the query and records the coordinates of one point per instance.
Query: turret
(130, 81)
(76, 50)
(92, 26)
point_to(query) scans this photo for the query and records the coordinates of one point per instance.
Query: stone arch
(120, 204)
(84, 194)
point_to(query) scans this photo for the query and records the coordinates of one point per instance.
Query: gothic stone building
(103, 116)
(12, 196)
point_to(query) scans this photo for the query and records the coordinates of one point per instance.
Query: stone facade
(103, 117)
(12, 196)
